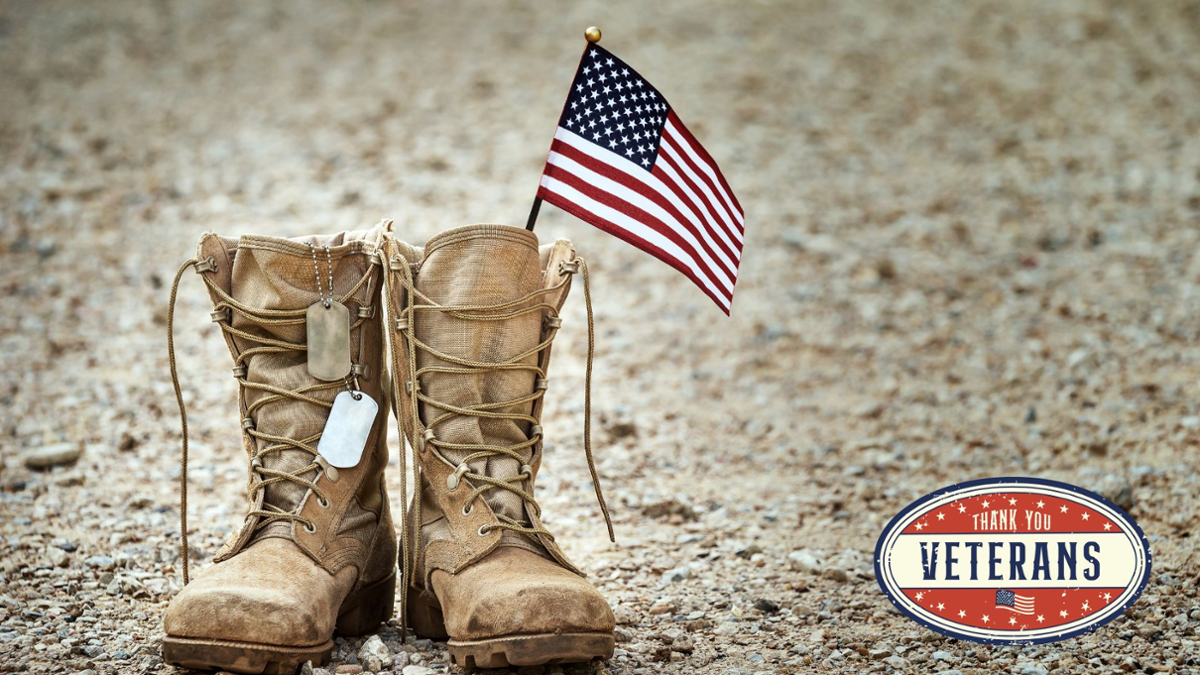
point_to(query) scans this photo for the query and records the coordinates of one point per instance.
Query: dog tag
(347, 428)
(328, 341)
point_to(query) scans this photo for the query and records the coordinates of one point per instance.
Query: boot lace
(261, 476)
(421, 303)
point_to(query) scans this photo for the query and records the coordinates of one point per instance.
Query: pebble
(676, 575)
(897, 662)
(348, 669)
(48, 456)
(663, 606)
(417, 670)
(804, 561)
(375, 655)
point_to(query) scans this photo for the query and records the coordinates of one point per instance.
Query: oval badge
(1012, 561)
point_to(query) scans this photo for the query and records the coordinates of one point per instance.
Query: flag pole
(592, 34)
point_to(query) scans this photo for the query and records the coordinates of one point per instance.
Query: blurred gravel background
(971, 251)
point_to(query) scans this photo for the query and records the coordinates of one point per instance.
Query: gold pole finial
(592, 34)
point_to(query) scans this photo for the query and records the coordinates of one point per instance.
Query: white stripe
(706, 168)
(721, 221)
(633, 227)
(620, 191)
(650, 180)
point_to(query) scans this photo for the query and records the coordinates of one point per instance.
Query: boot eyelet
(323, 503)
(310, 528)
(468, 509)
(483, 531)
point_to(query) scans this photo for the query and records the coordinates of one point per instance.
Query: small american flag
(622, 161)
(1021, 604)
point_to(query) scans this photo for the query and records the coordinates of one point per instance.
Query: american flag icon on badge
(1021, 604)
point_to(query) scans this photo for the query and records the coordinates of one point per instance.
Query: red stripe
(653, 195)
(723, 215)
(713, 218)
(699, 149)
(628, 237)
(612, 201)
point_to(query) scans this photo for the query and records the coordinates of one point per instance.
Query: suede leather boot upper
(317, 549)
(475, 312)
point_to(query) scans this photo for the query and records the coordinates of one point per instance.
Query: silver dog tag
(346, 431)
(328, 341)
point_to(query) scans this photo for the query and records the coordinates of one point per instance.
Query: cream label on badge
(1012, 561)
(346, 431)
(328, 334)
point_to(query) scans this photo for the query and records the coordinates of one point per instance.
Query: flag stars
(1012, 620)
(920, 596)
(1012, 501)
(986, 618)
(941, 606)
(1086, 607)
(1062, 509)
(1108, 526)
(1107, 597)
(1041, 618)
(1086, 515)
(962, 508)
(941, 516)
(1063, 613)
(919, 527)
(1041, 503)
(986, 503)
(962, 614)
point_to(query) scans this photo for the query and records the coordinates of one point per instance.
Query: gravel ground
(971, 252)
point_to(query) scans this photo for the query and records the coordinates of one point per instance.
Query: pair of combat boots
(326, 333)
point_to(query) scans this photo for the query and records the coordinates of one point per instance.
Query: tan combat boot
(474, 315)
(317, 551)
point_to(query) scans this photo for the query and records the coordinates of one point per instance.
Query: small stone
(663, 606)
(882, 652)
(805, 561)
(307, 668)
(376, 654)
(624, 429)
(943, 656)
(836, 574)
(349, 669)
(1032, 669)
(101, 562)
(682, 644)
(58, 454)
(56, 556)
(766, 606)
(677, 574)
(897, 662)
(417, 670)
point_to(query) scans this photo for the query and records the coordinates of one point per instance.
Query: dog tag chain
(328, 327)
(346, 431)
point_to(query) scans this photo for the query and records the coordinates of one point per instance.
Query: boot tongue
(278, 274)
(481, 265)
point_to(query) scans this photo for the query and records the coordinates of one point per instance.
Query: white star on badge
(1063, 613)
(1086, 515)
(941, 606)
(1041, 618)
(1085, 606)
(1012, 501)
(962, 509)
(1041, 503)
(986, 618)
(1108, 526)
(1062, 509)
(941, 516)
(920, 527)
(961, 614)
(1012, 621)
(1107, 597)
(986, 503)
(920, 596)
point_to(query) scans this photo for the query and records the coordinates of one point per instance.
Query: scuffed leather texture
(487, 586)
(282, 585)
(517, 592)
(270, 594)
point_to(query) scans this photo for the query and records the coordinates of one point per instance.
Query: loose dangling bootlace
(419, 302)
(262, 476)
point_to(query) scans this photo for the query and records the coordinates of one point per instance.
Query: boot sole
(532, 650)
(425, 617)
(362, 612)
